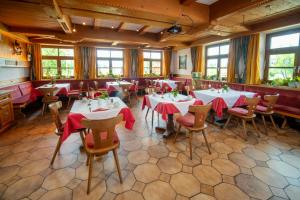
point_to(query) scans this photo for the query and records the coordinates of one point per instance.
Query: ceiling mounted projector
(175, 29)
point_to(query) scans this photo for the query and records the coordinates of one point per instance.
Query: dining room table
(222, 99)
(167, 105)
(116, 85)
(96, 109)
(61, 88)
(166, 83)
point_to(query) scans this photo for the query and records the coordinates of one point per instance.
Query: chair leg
(152, 117)
(190, 143)
(244, 136)
(57, 148)
(284, 122)
(273, 122)
(176, 134)
(147, 113)
(69, 101)
(265, 125)
(87, 159)
(118, 165)
(227, 122)
(203, 132)
(255, 127)
(91, 160)
(43, 109)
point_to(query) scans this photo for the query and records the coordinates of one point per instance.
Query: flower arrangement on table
(225, 88)
(104, 95)
(174, 93)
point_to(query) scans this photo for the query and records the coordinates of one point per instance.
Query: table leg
(170, 126)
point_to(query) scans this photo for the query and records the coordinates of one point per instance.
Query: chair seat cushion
(22, 100)
(237, 110)
(89, 139)
(186, 120)
(74, 92)
(260, 108)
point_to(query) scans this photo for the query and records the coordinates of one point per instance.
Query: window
(217, 61)
(152, 62)
(109, 61)
(282, 54)
(57, 61)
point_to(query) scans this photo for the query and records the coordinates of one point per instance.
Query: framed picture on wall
(182, 62)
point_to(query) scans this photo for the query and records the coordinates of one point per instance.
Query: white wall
(175, 60)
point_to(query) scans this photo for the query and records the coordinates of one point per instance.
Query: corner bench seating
(288, 104)
(22, 94)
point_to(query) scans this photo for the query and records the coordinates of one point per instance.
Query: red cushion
(186, 120)
(261, 108)
(15, 92)
(293, 110)
(26, 88)
(89, 139)
(74, 92)
(237, 110)
(22, 99)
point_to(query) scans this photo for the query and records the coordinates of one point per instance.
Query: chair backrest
(271, 101)
(200, 112)
(180, 85)
(96, 85)
(54, 110)
(48, 93)
(251, 104)
(126, 89)
(99, 127)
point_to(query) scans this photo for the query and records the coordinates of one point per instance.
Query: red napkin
(100, 109)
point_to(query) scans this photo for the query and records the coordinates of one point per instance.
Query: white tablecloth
(171, 83)
(117, 85)
(59, 86)
(82, 107)
(183, 106)
(229, 97)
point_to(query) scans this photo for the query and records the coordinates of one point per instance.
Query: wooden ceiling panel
(82, 20)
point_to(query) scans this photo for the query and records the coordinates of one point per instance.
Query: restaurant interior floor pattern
(152, 168)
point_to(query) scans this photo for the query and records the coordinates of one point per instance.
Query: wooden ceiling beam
(63, 20)
(5, 31)
(143, 30)
(119, 28)
(186, 2)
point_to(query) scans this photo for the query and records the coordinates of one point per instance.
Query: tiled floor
(152, 168)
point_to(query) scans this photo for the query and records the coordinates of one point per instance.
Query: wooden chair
(75, 94)
(180, 87)
(54, 110)
(134, 89)
(101, 140)
(194, 121)
(267, 109)
(48, 98)
(126, 93)
(245, 115)
(188, 89)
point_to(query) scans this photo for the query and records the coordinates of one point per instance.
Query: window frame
(110, 59)
(151, 60)
(284, 50)
(218, 57)
(58, 59)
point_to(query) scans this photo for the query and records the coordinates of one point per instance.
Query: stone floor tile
(235, 144)
(225, 191)
(34, 168)
(23, 187)
(246, 170)
(37, 194)
(158, 190)
(269, 177)
(73, 183)
(109, 164)
(278, 192)
(222, 148)
(253, 186)
(203, 197)
(187, 169)
(226, 167)
(256, 154)
(284, 168)
(59, 193)
(59, 178)
(206, 162)
(242, 160)
(291, 159)
(108, 196)
(293, 181)
(165, 177)
(132, 145)
(158, 151)
(207, 175)
(169, 165)
(62, 161)
(269, 149)
(138, 186)
(146, 173)
(129, 195)
(185, 159)
(173, 155)
(7, 173)
(153, 160)
(228, 179)
(14, 159)
(138, 157)
(97, 190)
(185, 184)
(293, 192)
(114, 185)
